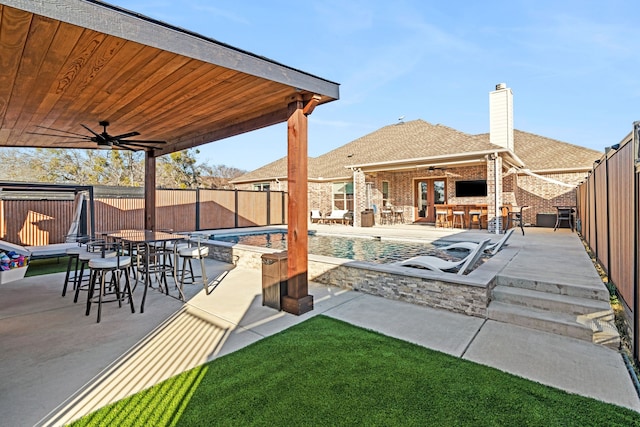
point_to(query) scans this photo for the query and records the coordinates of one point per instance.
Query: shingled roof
(545, 154)
(419, 139)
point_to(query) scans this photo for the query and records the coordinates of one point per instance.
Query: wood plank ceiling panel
(58, 75)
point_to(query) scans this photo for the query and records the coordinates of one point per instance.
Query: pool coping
(469, 294)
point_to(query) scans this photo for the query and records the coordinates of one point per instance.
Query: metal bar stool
(92, 251)
(188, 254)
(72, 265)
(117, 267)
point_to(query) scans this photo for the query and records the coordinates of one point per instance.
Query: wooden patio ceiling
(64, 63)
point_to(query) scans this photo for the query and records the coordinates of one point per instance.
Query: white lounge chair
(493, 248)
(337, 216)
(316, 216)
(438, 264)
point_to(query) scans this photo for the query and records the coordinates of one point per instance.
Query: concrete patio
(58, 365)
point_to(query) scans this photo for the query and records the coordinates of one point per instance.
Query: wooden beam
(311, 104)
(149, 190)
(297, 301)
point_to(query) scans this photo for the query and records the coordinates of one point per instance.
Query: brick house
(416, 167)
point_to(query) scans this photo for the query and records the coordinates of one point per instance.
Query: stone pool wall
(461, 294)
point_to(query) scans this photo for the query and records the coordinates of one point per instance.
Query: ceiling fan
(104, 139)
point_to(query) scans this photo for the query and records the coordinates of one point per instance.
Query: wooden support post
(149, 190)
(297, 301)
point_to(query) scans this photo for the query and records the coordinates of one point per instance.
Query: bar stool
(442, 217)
(475, 217)
(92, 252)
(386, 217)
(458, 219)
(72, 264)
(398, 216)
(188, 254)
(117, 266)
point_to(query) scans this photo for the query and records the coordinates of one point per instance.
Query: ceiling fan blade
(125, 135)
(97, 135)
(58, 130)
(85, 138)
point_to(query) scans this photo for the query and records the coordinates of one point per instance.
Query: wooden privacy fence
(41, 222)
(608, 214)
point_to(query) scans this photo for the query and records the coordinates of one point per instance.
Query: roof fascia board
(560, 171)
(128, 25)
(419, 160)
(469, 162)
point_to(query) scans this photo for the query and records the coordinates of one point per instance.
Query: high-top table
(149, 238)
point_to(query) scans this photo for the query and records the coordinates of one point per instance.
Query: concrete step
(585, 327)
(596, 292)
(553, 302)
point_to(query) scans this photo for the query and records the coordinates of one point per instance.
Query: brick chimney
(501, 116)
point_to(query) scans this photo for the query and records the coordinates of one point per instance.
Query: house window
(385, 193)
(343, 195)
(263, 186)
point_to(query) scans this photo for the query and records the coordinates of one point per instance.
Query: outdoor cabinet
(366, 218)
(274, 279)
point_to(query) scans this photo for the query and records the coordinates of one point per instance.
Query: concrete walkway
(58, 364)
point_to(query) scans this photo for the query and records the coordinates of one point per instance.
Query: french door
(429, 193)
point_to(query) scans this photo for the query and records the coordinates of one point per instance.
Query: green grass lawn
(47, 266)
(326, 372)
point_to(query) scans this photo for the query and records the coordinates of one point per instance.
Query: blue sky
(573, 66)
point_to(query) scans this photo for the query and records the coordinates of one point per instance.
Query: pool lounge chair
(316, 216)
(341, 216)
(492, 249)
(441, 265)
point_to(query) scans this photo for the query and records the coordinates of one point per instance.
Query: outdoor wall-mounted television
(474, 188)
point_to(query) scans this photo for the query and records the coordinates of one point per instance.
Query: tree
(219, 176)
(179, 169)
(111, 167)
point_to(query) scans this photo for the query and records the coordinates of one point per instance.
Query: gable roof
(418, 141)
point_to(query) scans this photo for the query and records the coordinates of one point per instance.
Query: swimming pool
(380, 251)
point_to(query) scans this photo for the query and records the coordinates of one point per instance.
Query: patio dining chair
(515, 218)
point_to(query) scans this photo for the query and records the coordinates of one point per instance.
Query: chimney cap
(501, 86)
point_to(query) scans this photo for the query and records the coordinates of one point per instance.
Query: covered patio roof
(73, 62)
(67, 64)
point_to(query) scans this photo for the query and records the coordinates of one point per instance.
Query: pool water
(356, 248)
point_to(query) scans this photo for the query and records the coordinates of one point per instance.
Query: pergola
(64, 63)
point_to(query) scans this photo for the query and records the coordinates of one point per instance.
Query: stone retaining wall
(419, 287)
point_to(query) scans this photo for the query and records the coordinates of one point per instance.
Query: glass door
(428, 193)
